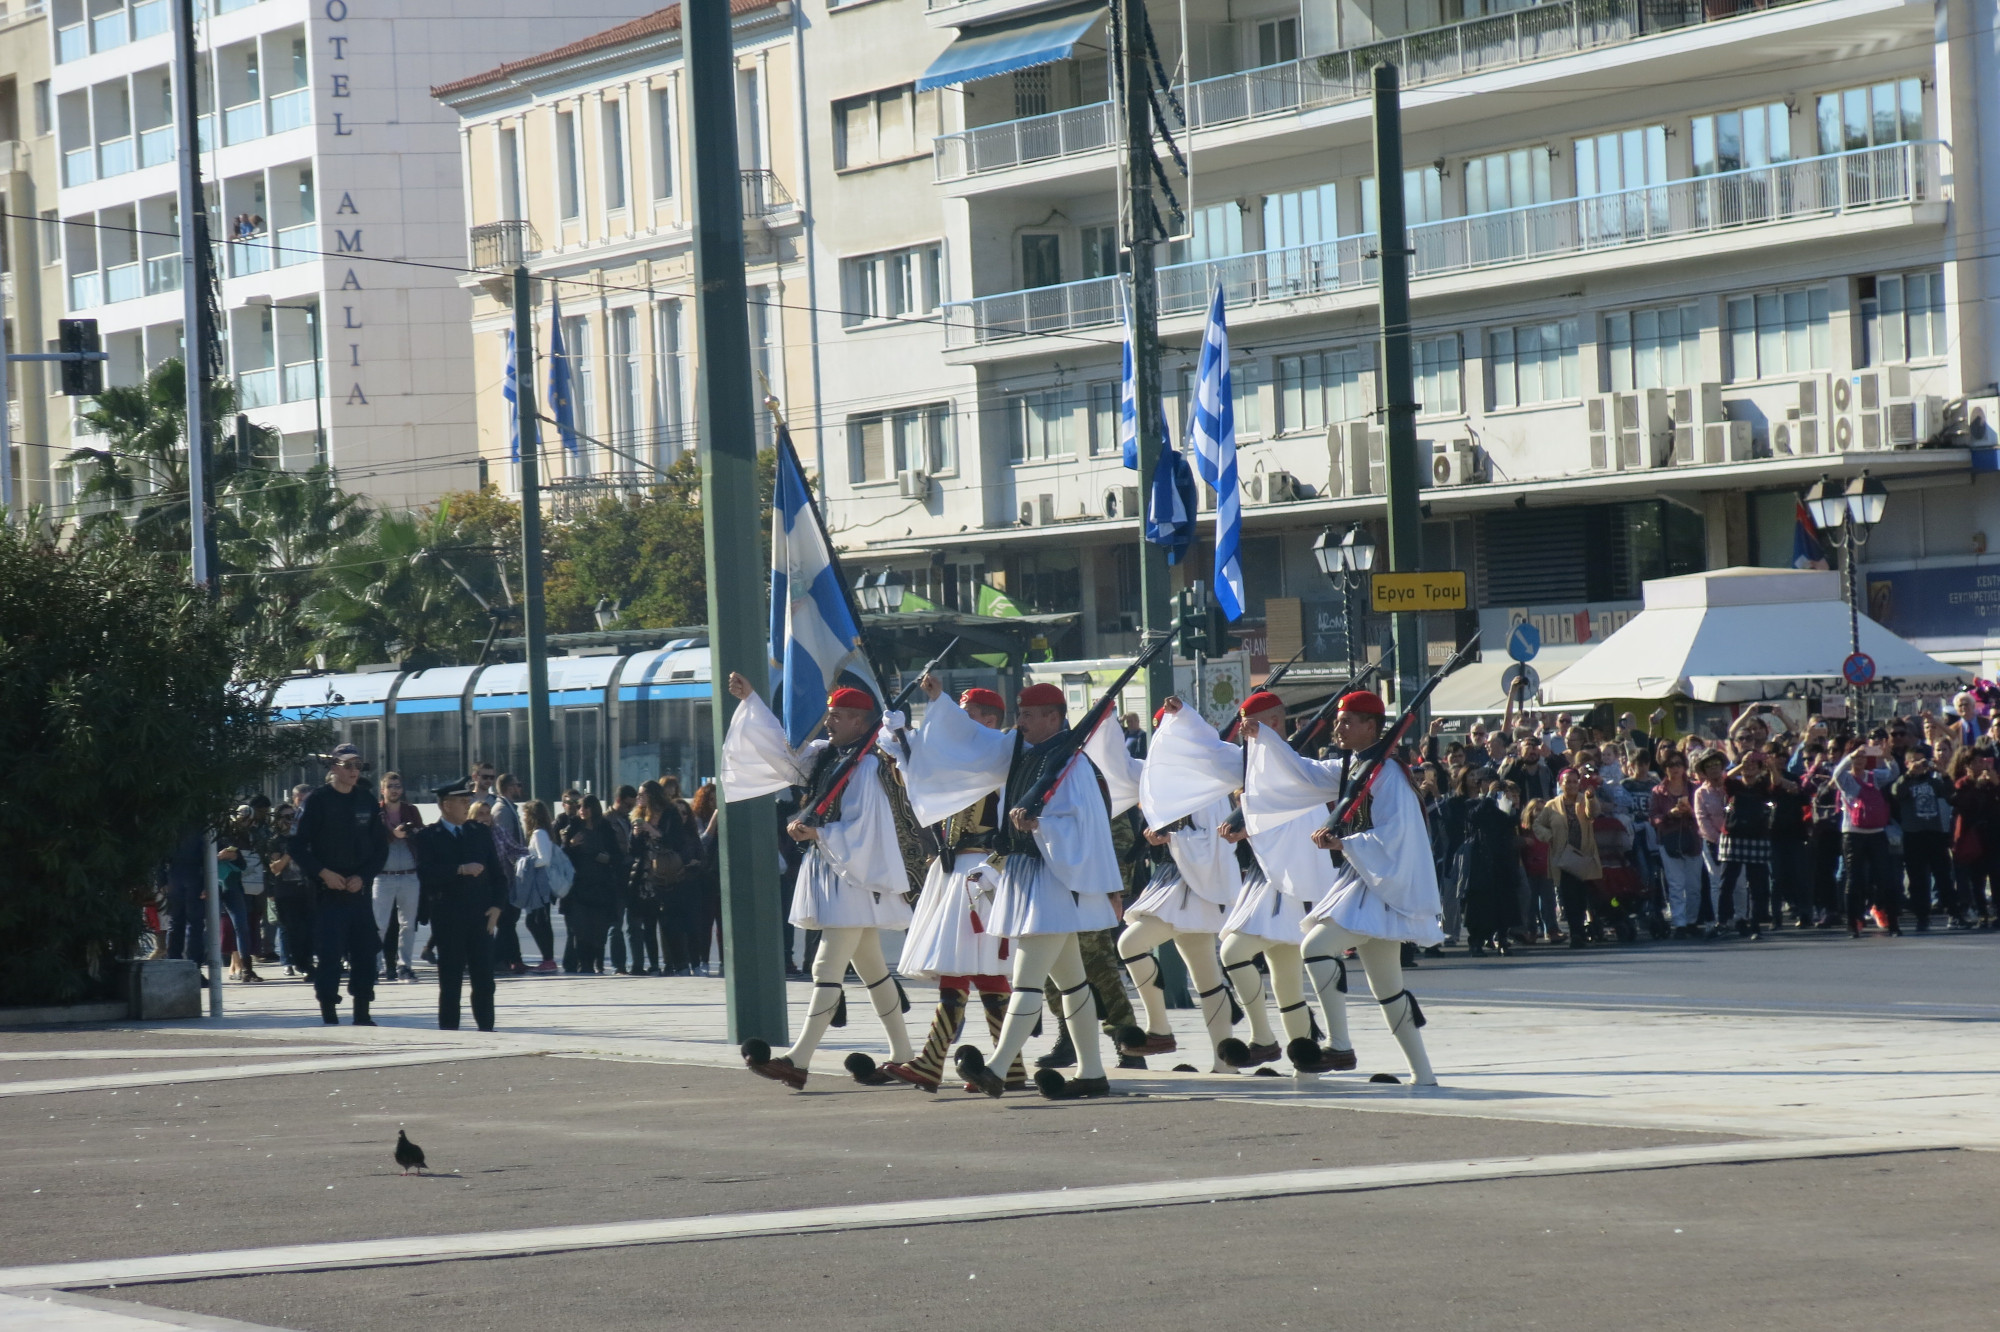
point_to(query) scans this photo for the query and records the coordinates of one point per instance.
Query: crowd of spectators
(1550, 831)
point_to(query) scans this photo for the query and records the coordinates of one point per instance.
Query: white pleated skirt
(822, 900)
(943, 938)
(1169, 900)
(1262, 912)
(1031, 900)
(1352, 907)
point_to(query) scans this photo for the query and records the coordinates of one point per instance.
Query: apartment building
(1674, 259)
(30, 272)
(335, 207)
(576, 164)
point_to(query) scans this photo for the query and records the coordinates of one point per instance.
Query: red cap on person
(1363, 702)
(1262, 701)
(1040, 696)
(1158, 713)
(849, 697)
(981, 698)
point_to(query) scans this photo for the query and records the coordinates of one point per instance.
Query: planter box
(168, 988)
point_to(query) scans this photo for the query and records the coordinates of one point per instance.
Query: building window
(1244, 379)
(1437, 369)
(1658, 348)
(570, 196)
(1041, 425)
(884, 444)
(1104, 418)
(1321, 387)
(1423, 199)
(1871, 117)
(44, 108)
(51, 239)
(669, 381)
(1902, 317)
(1756, 136)
(1277, 42)
(1535, 363)
(1215, 231)
(763, 358)
(625, 405)
(892, 285)
(1041, 259)
(1102, 256)
(613, 141)
(510, 174)
(582, 385)
(887, 126)
(1778, 333)
(1502, 181)
(663, 144)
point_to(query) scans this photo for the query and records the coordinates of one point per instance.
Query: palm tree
(275, 532)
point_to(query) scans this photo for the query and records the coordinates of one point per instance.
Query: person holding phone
(396, 886)
(1872, 866)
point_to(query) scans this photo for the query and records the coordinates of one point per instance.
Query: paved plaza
(1795, 1133)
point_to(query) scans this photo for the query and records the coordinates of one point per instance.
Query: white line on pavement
(60, 1311)
(192, 1052)
(1095, 1198)
(165, 1076)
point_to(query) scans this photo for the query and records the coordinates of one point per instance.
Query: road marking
(204, 1052)
(1046, 1202)
(166, 1076)
(60, 1311)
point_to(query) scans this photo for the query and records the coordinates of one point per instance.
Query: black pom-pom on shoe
(1232, 1052)
(971, 1065)
(1304, 1054)
(865, 1070)
(1389, 1078)
(1186, 1068)
(1267, 1072)
(1132, 1038)
(1050, 1084)
(756, 1052)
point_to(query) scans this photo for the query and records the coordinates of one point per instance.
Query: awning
(1477, 690)
(980, 53)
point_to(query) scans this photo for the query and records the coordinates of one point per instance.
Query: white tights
(1056, 957)
(1325, 948)
(1135, 949)
(1288, 985)
(863, 948)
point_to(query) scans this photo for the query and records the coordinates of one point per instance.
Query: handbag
(1577, 865)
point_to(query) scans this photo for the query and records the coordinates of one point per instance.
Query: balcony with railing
(1818, 187)
(497, 246)
(764, 194)
(150, 19)
(291, 110)
(79, 166)
(577, 496)
(86, 290)
(122, 282)
(115, 157)
(156, 146)
(296, 245)
(249, 254)
(257, 388)
(163, 274)
(301, 381)
(1475, 46)
(243, 122)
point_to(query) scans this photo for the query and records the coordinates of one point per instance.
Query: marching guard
(1382, 890)
(860, 837)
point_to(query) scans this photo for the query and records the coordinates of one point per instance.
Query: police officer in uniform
(462, 891)
(340, 843)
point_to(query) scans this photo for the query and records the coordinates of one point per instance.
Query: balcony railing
(163, 274)
(243, 122)
(257, 388)
(149, 19)
(249, 255)
(502, 245)
(301, 381)
(1815, 187)
(122, 283)
(292, 110)
(79, 166)
(115, 156)
(1496, 41)
(108, 32)
(86, 290)
(764, 194)
(576, 496)
(296, 245)
(72, 43)
(156, 146)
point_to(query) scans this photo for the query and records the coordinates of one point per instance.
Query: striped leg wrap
(944, 1030)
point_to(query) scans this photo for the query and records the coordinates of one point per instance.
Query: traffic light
(1219, 637)
(80, 379)
(1193, 621)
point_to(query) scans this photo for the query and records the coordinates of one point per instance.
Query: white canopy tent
(1478, 690)
(1742, 636)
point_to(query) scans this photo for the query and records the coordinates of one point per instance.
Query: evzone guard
(1381, 891)
(853, 883)
(1057, 867)
(1186, 901)
(1190, 767)
(950, 936)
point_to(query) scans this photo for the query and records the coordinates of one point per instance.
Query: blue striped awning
(980, 53)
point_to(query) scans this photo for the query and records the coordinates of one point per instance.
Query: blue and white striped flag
(1128, 407)
(815, 635)
(510, 389)
(1212, 440)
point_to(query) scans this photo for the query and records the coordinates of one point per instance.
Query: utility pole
(1406, 542)
(534, 619)
(194, 378)
(1155, 588)
(752, 934)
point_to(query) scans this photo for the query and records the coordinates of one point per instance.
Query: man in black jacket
(340, 843)
(463, 890)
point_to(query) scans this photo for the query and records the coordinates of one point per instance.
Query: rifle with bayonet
(823, 808)
(1372, 759)
(1069, 745)
(1271, 681)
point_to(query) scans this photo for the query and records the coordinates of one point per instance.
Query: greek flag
(1170, 504)
(510, 389)
(1128, 407)
(1212, 440)
(562, 401)
(815, 634)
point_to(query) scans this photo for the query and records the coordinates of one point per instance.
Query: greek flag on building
(510, 389)
(562, 396)
(1212, 440)
(815, 637)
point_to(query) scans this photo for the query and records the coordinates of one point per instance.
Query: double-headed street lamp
(1346, 563)
(882, 592)
(1848, 516)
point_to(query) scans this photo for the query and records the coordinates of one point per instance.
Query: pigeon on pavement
(408, 1154)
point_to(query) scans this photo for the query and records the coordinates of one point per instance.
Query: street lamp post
(1346, 564)
(1848, 516)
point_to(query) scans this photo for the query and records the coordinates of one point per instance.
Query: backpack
(1866, 812)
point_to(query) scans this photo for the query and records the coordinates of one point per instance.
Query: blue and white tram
(617, 719)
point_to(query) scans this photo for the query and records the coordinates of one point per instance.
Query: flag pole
(826, 538)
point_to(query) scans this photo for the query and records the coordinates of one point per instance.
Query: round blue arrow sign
(1524, 642)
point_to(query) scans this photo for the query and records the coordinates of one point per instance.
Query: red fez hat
(981, 698)
(1262, 701)
(847, 697)
(1363, 702)
(1041, 696)
(1158, 713)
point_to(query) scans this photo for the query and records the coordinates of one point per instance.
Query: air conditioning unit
(1802, 431)
(1600, 419)
(1456, 463)
(1121, 502)
(1725, 442)
(1281, 488)
(1362, 462)
(1909, 423)
(1976, 423)
(1858, 403)
(1027, 513)
(916, 484)
(1696, 404)
(1627, 429)
(1045, 510)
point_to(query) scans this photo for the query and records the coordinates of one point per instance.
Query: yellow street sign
(1418, 592)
